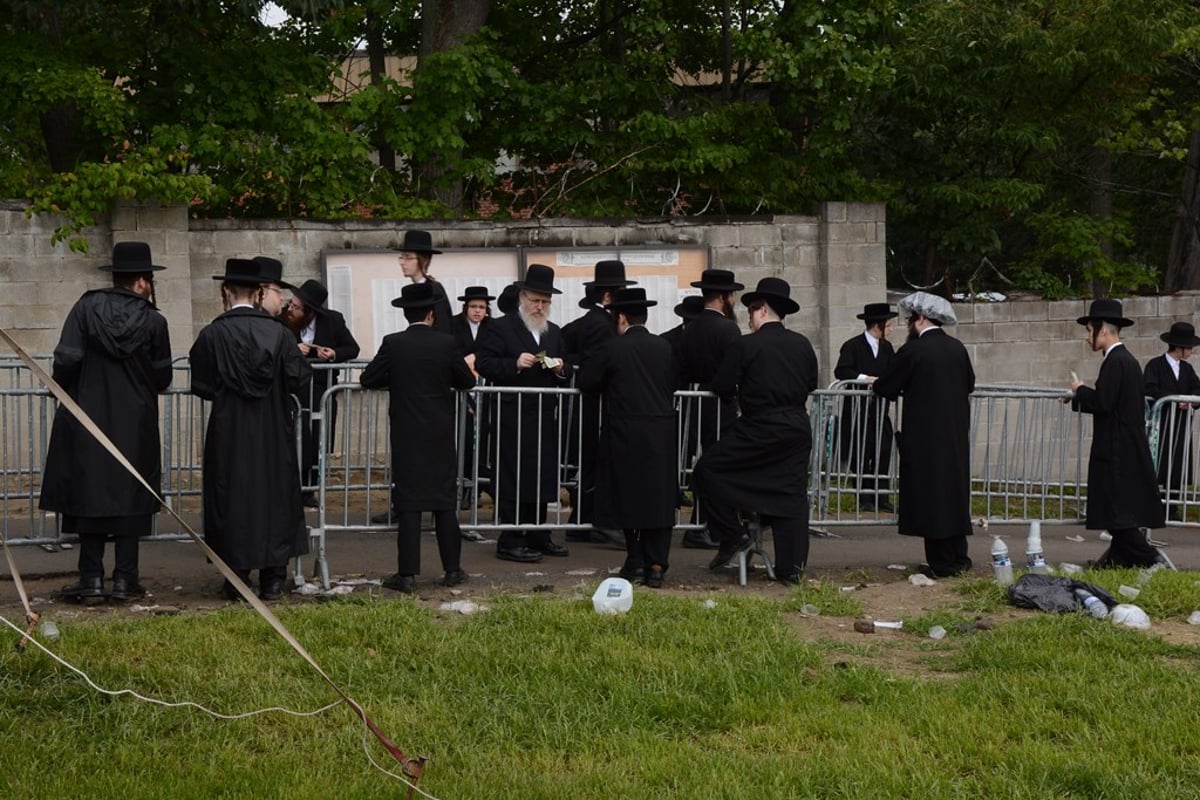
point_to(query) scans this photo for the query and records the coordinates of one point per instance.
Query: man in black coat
(760, 463)
(687, 310)
(113, 358)
(247, 365)
(1170, 374)
(866, 435)
(934, 373)
(709, 337)
(323, 338)
(583, 336)
(635, 374)
(525, 349)
(421, 367)
(466, 326)
(1122, 482)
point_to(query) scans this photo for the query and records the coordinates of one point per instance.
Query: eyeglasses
(276, 289)
(537, 302)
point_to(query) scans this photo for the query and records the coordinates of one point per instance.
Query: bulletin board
(362, 283)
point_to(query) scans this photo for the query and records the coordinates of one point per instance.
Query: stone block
(851, 233)
(750, 235)
(1066, 309)
(1137, 308)
(1052, 330)
(21, 292)
(39, 269)
(238, 244)
(866, 212)
(1028, 310)
(1010, 332)
(963, 312)
(833, 212)
(1001, 371)
(993, 312)
(974, 333)
(808, 234)
(63, 294)
(37, 316)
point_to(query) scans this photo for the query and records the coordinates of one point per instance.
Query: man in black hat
(1122, 493)
(866, 427)
(421, 367)
(636, 374)
(709, 337)
(270, 273)
(416, 254)
(466, 325)
(687, 310)
(1166, 375)
(760, 463)
(252, 513)
(583, 336)
(114, 358)
(322, 337)
(933, 371)
(526, 349)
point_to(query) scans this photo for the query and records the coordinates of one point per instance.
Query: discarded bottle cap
(937, 632)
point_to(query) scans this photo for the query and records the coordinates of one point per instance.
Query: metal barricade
(1172, 432)
(25, 418)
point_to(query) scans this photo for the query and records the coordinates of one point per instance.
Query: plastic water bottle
(613, 596)
(1092, 604)
(1035, 557)
(1001, 564)
(49, 630)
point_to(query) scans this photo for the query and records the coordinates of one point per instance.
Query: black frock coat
(935, 375)
(331, 331)
(247, 364)
(636, 480)
(1160, 381)
(421, 368)
(703, 350)
(113, 358)
(496, 352)
(760, 463)
(861, 414)
(1122, 481)
(461, 329)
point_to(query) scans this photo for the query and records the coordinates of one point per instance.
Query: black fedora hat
(313, 294)
(776, 293)
(629, 298)
(1105, 310)
(270, 270)
(418, 242)
(1182, 334)
(690, 307)
(476, 293)
(877, 312)
(609, 275)
(131, 257)
(717, 280)
(242, 271)
(416, 295)
(507, 302)
(539, 278)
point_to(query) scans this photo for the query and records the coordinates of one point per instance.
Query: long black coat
(247, 364)
(331, 331)
(935, 375)
(760, 463)
(636, 480)
(442, 311)
(421, 368)
(496, 353)
(463, 338)
(703, 350)
(113, 358)
(861, 433)
(1174, 444)
(1122, 482)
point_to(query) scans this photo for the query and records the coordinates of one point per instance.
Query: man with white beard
(525, 349)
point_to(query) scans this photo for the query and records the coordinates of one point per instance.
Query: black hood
(117, 321)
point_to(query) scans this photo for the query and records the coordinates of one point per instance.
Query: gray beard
(538, 328)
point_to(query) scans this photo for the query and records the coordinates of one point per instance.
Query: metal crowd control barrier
(1172, 429)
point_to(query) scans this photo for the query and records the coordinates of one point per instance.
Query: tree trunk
(376, 56)
(1183, 259)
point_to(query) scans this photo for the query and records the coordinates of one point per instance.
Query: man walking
(1122, 484)
(421, 367)
(113, 358)
(934, 373)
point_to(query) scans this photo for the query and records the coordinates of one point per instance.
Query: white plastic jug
(613, 596)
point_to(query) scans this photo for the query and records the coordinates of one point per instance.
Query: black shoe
(790, 579)
(632, 570)
(699, 540)
(727, 550)
(521, 554)
(309, 500)
(271, 590)
(124, 589)
(549, 548)
(885, 506)
(231, 594)
(454, 577)
(406, 584)
(86, 590)
(383, 518)
(654, 577)
(473, 536)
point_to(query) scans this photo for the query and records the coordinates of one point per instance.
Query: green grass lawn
(541, 698)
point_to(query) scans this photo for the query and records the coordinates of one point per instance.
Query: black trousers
(1129, 548)
(790, 534)
(408, 540)
(648, 546)
(511, 512)
(947, 557)
(95, 531)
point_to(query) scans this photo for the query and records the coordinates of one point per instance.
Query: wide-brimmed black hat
(270, 270)
(244, 271)
(130, 257)
(1182, 334)
(1106, 310)
(416, 295)
(313, 294)
(476, 293)
(717, 280)
(877, 312)
(609, 275)
(625, 299)
(418, 242)
(690, 307)
(508, 302)
(539, 278)
(776, 293)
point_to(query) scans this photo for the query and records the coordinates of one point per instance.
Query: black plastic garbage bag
(1053, 593)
